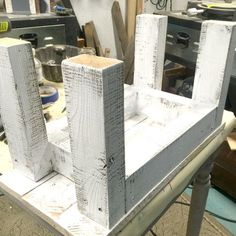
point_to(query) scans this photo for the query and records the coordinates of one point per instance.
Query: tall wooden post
(214, 64)
(95, 110)
(150, 43)
(21, 109)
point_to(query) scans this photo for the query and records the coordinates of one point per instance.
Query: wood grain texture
(119, 24)
(14, 180)
(95, 102)
(88, 32)
(21, 110)
(59, 149)
(69, 221)
(214, 64)
(131, 6)
(150, 50)
(97, 43)
(62, 196)
(129, 62)
(140, 7)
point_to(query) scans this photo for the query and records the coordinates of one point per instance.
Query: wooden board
(71, 222)
(149, 57)
(96, 122)
(88, 32)
(212, 64)
(59, 149)
(140, 7)
(21, 110)
(97, 43)
(160, 131)
(129, 63)
(120, 26)
(131, 6)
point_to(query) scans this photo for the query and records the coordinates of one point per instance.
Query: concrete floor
(222, 205)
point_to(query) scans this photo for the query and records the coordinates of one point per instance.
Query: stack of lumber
(124, 34)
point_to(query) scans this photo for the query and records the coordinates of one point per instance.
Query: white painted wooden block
(95, 110)
(214, 64)
(172, 126)
(59, 147)
(125, 141)
(150, 40)
(21, 110)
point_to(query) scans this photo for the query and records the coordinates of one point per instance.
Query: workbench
(52, 200)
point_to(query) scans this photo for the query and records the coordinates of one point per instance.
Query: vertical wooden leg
(150, 41)
(21, 109)
(198, 200)
(95, 109)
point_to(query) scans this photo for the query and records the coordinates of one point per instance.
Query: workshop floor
(16, 222)
(223, 206)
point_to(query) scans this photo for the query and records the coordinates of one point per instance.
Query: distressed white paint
(150, 43)
(59, 147)
(69, 221)
(21, 110)
(62, 193)
(214, 64)
(95, 103)
(161, 130)
(20, 184)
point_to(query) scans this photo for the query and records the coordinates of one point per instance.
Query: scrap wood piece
(131, 6)
(129, 62)
(97, 43)
(120, 26)
(107, 52)
(88, 32)
(140, 7)
(80, 42)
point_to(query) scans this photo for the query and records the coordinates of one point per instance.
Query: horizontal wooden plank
(19, 185)
(154, 170)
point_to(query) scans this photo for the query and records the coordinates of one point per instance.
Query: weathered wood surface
(71, 222)
(59, 148)
(96, 121)
(150, 40)
(131, 6)
(53, 199)
(214, 64)
(88, 32)
(97, 43)
(119, 25)
(160, 129)
(21, 110)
